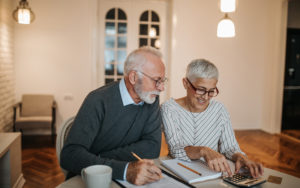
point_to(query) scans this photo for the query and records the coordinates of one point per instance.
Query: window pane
(144, 16)
(109, 56)
(143, 29)
(109, 69)
(143, 42)
(120, 69)
(121, 15)
(109, 41)
(154, 17)
(121, 42)
(156, 28)
(153, 42)
(122, 28)
(110, 28)
(121, 60)
(121, 56)
(108, 80)
(111, 14)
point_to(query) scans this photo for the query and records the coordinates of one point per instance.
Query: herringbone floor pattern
(277, 152)
(39, 163)
(41, 169)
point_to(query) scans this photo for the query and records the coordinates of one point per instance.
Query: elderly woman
(197, 126)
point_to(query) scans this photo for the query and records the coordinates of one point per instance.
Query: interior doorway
(125, 25)
(291, 95)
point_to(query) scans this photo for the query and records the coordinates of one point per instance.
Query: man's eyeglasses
(158, 81)
(200, 91)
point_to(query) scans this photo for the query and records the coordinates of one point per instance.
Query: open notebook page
(189, 176)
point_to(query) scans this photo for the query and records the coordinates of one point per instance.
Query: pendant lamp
(226, 28)
(23, 13)
(227, 5)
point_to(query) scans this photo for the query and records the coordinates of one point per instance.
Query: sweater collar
(126, 98)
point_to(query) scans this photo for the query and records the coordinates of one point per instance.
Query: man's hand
(142, 172)
(256, 169)
(216, 161)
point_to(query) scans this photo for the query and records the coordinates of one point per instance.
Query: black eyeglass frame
(158, 81)
(200, 92)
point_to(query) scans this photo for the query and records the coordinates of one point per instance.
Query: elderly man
(118, 119)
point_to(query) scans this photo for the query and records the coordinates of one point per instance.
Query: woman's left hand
(256, 169)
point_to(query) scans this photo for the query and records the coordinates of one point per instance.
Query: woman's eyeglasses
(200, 91)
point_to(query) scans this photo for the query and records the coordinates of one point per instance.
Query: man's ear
(132, 77)
(184, 81)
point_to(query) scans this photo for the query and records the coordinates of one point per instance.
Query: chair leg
(14, 122)
(52, 133)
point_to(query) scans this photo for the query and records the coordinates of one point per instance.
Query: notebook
(189, 176)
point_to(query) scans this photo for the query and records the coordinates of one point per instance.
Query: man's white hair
(201, 68)
(136, 59)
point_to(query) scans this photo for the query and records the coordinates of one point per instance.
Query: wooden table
(288, 181)
(11, 161)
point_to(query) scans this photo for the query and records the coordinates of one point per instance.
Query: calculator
(244, 180)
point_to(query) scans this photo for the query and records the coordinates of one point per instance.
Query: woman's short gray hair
(136, 59)
(201, 68)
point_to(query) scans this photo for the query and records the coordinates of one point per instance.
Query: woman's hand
(215, 160)
(256, 169)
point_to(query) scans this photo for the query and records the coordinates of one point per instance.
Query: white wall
(247, 63)
(53, 54)
(56, 54)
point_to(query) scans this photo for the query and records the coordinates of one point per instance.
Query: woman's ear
(132, 77)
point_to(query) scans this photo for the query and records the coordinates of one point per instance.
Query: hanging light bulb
(152, 32)
(23, 13)
(157, 43)
(227, 5)
(226, 28)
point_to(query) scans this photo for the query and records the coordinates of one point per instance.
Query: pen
(136, 156)
(190, 169)
(140, 159)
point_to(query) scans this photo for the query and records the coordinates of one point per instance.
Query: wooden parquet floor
(274, 151)
(292, 133)
(39, 163)
(41, 168)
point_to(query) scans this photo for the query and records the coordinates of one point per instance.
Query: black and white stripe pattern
(211, 128)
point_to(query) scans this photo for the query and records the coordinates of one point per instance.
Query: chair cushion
(33, 122)
(37, 105)
(35, 119)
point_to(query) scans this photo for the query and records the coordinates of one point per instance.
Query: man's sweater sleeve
(75, 154)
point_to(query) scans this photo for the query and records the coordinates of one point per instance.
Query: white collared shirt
(126, 98)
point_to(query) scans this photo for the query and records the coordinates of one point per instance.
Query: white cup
(97, 176)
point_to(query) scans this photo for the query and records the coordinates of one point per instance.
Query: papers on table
(168, 181)
(187, 173)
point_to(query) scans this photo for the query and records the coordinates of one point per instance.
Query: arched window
(115, 44)
(149, 29)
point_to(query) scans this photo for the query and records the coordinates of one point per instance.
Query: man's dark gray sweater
(106, 132)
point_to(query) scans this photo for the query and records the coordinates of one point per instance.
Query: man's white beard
(145, 95)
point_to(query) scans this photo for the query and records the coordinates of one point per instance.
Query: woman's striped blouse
(211, 128)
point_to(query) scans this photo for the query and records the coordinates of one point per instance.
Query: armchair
(35, 111)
